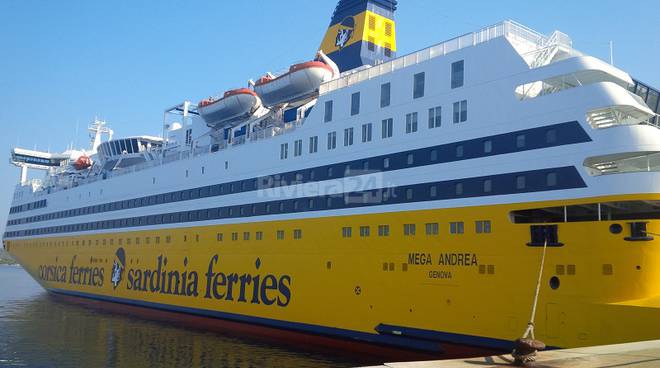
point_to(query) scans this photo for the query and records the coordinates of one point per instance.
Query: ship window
(456, 227)
(435, 117)
(551, 179)
(488, 185)
(365, 231)
(346, 232)
(408, 229)
(327, 116)
(297, 234)
(134, 144)
(246, 235)
(185, 194)
(432, 228)
(434, 155)
(460, 111)
(457, 74)
(433, 191)
(234, 236)
(387, 128)
(520, 141)
(215, 190)
(366, 132)
(313, 144)
(355, 103)
(385, 94)
(551, 136)
(459, 188)
(418, 85)
(259, 235)
(459, 150)
(280, 235)
(214, 213)
(348, 136)
(297, 147)
(488, 146)
(204, 191)
(520, 182)
(332, 140)
(409, 193)
(482, 226)
(411, 122)
(284, 151)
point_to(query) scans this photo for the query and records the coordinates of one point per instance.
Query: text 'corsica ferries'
(400, 201)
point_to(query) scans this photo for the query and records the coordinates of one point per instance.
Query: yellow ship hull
(416, 291)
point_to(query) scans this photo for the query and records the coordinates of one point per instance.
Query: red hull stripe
(429, 342)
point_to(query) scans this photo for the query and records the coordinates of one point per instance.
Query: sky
(62, 63)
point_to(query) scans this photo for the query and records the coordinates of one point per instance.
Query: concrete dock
(644, 354)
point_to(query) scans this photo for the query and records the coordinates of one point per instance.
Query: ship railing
(503, 29)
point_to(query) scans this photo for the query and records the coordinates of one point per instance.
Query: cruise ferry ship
(397, 201)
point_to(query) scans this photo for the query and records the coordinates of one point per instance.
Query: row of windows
(542, 137)
(259, 235)
(419, 81)
(28, 206)
(500, 184)
(432, 228)
(387, 130)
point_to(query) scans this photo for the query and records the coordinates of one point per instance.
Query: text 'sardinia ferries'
(398, 201)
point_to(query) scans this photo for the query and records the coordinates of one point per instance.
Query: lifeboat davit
(82, 163)
(302, 80)
(234, 104)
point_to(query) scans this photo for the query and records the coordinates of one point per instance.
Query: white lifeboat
(234, 104)
(302, 80)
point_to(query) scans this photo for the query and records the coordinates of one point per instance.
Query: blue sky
(64, 62)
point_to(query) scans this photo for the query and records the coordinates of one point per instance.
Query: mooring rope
(525, 348)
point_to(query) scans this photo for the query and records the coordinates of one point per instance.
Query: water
(38, 330)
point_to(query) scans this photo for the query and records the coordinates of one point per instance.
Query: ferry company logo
(118, 267)
(345, 32)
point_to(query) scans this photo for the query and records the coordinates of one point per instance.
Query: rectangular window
(457, 74)
(435, 117)
(482, 227)
(520, 182)
(218, 237)
(297, 234)
(280, 235)
(355, 103)
(488, 186)
(313, 144)
(488, 146)
(456, 227)
(246, 235)
(234, 236)
(348, 137)
(365, 231)
(411, 122)
(259, 235)
(297, 147)
(284, 151)
(418, 85)
(385, 95)
(366, 132)
(520, 141)
(387, 127)
(332, 140)
(432, 228)
(346, 232)
(383, 230)
(551, 179)
(408, 229)
(327, 115)
(460, 111)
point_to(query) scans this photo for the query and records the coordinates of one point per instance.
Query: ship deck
(630, 355)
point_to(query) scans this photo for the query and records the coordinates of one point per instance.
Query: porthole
(554, 282)
(616, 228)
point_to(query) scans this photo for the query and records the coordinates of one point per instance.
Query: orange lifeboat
(234, 105)
(83, 162)
(301, 81)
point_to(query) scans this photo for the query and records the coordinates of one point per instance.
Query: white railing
(471, 39)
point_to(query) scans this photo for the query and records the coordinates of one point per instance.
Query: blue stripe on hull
(417, 339)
